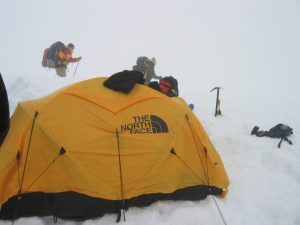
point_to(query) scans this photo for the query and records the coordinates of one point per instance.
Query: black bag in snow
(281, 131)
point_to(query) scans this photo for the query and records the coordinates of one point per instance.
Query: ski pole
(75, 69)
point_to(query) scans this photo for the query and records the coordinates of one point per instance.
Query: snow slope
(264, 180)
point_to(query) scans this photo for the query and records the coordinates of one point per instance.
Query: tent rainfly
(86, 150)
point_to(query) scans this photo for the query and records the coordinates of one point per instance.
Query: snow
(250, 48)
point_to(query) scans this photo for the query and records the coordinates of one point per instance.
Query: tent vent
(62, 151)
(173, 151)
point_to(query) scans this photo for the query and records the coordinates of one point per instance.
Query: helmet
(70, 45)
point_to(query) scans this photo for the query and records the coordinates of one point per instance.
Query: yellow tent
(86, 150)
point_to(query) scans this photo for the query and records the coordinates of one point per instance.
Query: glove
(254, 130)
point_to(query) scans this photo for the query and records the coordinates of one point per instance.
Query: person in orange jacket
(65, 57)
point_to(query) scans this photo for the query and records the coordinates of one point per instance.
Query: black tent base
(76, 206)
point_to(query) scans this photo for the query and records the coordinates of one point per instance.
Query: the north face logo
(146, 124)
(158, 125)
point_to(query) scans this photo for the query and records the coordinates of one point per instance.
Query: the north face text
(145, 124)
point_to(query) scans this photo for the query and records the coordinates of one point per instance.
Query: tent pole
(25, 164)
(197, 147)
(121, 180)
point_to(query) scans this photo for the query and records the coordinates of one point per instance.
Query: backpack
(53, 50)
(169, 86)
(280, 131)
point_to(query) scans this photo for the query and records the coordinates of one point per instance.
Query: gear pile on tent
(87, 150)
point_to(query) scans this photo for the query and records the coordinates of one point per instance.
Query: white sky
(207, 43)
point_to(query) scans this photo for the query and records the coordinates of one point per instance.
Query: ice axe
(217, 110)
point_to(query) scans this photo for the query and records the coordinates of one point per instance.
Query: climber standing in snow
(58, 56)
(146, 67)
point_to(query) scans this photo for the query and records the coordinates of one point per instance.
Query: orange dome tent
(86, 150)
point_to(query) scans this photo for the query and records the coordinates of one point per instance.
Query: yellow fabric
(86, 120)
